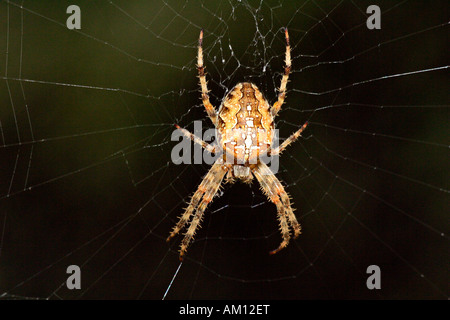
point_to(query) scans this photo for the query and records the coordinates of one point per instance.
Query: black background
(369, 178)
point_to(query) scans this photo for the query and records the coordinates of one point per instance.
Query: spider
(244, 129)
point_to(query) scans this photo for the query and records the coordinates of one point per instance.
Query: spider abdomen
(245, 125)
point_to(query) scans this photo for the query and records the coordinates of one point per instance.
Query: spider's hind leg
(284, 80)
(202, 76)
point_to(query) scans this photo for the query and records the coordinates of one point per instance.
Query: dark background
(86, 176)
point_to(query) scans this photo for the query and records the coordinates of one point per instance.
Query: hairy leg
(289, 140)
(196, 139)
(199, 201)
(275, 191)
(287, 69)
(202, 75)
(264, 180)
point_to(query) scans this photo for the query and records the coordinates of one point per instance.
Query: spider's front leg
(200, 200)
(274, 190)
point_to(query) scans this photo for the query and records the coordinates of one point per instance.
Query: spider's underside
(245, 130)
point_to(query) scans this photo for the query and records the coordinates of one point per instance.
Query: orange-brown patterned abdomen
(245, 125)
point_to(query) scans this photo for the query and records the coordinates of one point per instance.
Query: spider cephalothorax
(245, 130)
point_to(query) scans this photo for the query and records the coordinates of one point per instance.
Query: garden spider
(245, 130)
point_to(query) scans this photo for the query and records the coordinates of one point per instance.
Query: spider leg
(184, 218)
(284, 227)
(274, 190)
(289, 140)
(196, 139)
(218, 172)
(201, 74)
(289, 211)
(276, 185)
(199, 201)
(211, 149)
(287, 69)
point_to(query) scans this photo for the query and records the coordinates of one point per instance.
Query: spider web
(85, 171)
